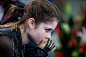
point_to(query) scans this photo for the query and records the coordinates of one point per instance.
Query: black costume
(16, 44)
(28, 47)
(11, 42)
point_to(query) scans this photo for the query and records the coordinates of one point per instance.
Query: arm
(44, 48)
(5, 46)
(39, 53)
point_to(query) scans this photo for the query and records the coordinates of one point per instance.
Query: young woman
(40, 17)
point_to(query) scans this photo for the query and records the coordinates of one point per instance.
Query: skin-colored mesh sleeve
(5, 46)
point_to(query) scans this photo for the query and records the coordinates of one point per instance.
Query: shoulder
(5, 46)
(5, 40)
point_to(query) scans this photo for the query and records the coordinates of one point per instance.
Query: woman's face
(42, 31)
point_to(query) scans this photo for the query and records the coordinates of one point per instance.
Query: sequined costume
(16, 40)
(17, 48)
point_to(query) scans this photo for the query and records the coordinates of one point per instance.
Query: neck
(25, 39)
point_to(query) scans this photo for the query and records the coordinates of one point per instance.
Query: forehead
(52, 24)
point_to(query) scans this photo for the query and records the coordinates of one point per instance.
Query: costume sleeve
(39, 53)
(43, 52)
(5, 46)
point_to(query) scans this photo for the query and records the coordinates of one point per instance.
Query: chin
(37, 43)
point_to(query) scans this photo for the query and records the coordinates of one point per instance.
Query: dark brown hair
(40, 10)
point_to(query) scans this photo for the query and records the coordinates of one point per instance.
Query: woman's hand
(47, 45)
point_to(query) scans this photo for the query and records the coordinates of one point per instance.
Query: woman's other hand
(47, 45)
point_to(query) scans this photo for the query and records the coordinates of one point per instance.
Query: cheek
(41, 36)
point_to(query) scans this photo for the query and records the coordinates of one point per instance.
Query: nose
(48, 36)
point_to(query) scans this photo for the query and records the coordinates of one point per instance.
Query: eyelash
(47, 30)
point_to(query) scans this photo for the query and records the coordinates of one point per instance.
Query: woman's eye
(48, 30)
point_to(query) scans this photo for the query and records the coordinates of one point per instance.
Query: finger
(53, 46)
(50, 44)
(44, 40)
(43, 43)
(51, 50)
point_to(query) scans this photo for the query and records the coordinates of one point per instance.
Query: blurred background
(70, 33)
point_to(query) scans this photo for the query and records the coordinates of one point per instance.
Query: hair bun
(14, 10)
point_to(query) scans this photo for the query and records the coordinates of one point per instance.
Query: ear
(31, 23)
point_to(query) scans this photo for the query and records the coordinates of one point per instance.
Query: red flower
(77, 22)
(73, 42)
(84, 16)
(82, 48)
(75, 32)
(83, 25)
(59, 54)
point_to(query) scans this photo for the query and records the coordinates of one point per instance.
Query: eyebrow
(49, 28)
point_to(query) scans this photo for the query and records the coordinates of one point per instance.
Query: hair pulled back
(40, 10)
